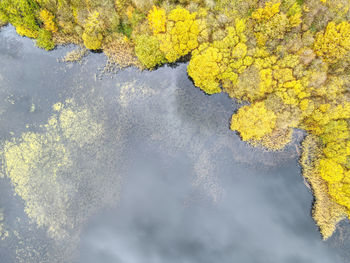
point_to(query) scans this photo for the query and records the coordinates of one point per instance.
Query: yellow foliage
(295, 20)
(181, 34)
(295, 13)
(330, 170)
(204, 69)
(266, 82)
(267, 12)
(333, 88)
(333, 44)
(326, 211)
(157, 20)
(277, 76)
(92, 36)
(337, 151)
(24, 31)
(48, 20)
(261, 38)
(304, 104)
(92, 41)
(340, 193)
(220, 62)
(254, 121)
(272, 24)
(148, 52)
(283, 75)
(279, 56)
(129, 11)
(326, 119)
(239, 51)
(312, 99)
(332, 164)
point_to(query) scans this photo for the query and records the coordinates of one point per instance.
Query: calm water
(169, 182)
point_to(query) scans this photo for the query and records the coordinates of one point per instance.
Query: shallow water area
(141, 166)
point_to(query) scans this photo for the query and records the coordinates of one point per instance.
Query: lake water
(165, 181)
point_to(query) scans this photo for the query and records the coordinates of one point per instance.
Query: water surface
(166, 182)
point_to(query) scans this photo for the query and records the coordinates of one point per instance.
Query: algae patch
(52, 172)
(4, 233)
(131, 91)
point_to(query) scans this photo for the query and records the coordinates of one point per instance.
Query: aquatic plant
(120, 50)
(75, 55)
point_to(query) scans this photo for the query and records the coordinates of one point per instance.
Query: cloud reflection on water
(192, 191)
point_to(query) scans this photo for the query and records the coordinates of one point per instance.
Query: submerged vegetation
(37, 164)
(289, 59)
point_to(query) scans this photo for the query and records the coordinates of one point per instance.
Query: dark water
(177, 184)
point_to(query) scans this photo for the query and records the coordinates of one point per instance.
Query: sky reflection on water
(191, 191)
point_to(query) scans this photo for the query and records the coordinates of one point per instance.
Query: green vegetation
(44, 40)
(148, 52)
(21, 14)
(288, 59)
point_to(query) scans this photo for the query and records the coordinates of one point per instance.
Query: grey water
(190, 189)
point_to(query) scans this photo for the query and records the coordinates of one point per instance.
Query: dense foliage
(288, 59)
